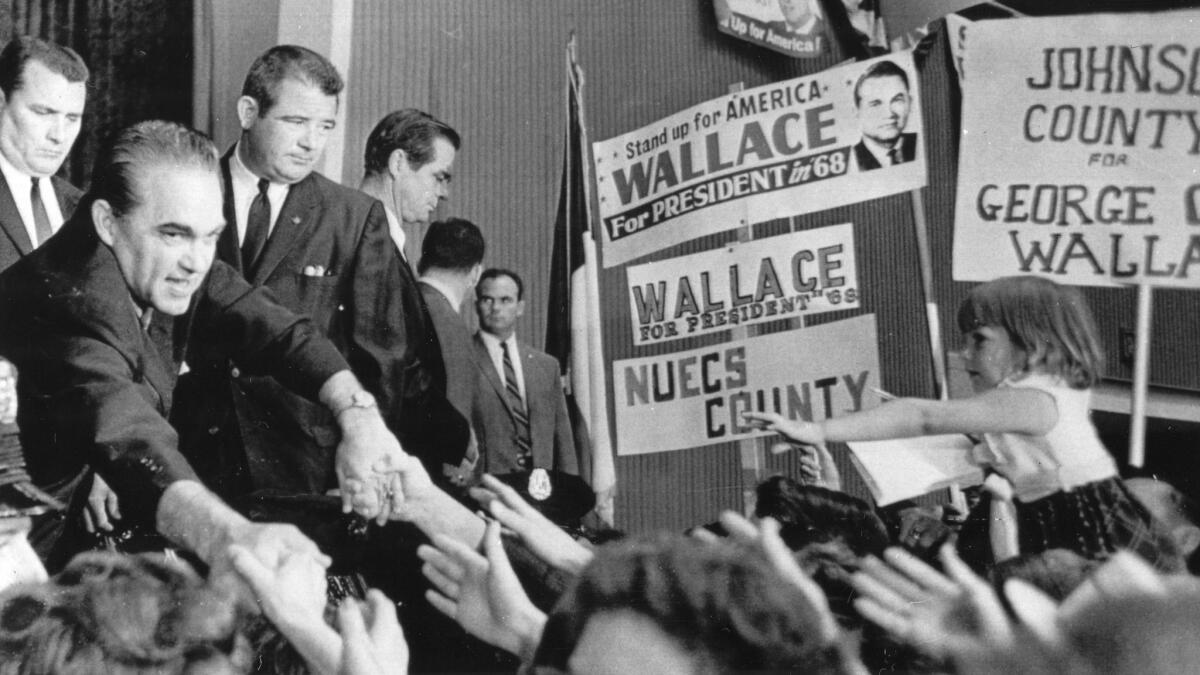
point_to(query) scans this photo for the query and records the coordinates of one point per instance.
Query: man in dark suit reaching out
(324, 251)
(98, 321)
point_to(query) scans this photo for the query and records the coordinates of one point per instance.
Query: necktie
(258, 225)
(895, 155)
(41, 221)
(520, 414)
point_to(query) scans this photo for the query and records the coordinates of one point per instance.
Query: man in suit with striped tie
(44, 88)
(520, 412)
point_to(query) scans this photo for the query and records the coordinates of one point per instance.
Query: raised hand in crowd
(954, 616)
(293, 596)
(816, 462)
(103, 508)
(764, 538)
(372, 641)
(545, 539)
(1124, 575)
(482, 593)
(195, 519)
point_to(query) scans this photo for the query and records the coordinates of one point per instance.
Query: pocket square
(314, 270)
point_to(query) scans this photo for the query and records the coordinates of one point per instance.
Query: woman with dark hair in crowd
(676, 604)
(812, 514)
(113, 613)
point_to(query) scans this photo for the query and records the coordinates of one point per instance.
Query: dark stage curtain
(139, 53)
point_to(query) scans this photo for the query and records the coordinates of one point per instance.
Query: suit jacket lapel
(535, 395)
(110, 306)
(296, 220)
(10, 219)
(68, 197)
(227, 247)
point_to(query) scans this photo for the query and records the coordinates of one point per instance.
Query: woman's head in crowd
(678, 603)
(1056, 572)
(108, 612)
(810, 514)
(1027, 324)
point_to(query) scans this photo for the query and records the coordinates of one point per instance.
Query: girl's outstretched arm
(1011, 410)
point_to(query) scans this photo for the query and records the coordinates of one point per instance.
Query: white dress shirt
(497, 353)
(397, 232)
(245, 189)
(20, 185)
(883, 153)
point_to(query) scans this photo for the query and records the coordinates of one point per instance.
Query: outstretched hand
(482, 593)
(816, 462)
(955, 616)
(804, 433)
(372, 641)
(545, 539)
(766, 540)
(103, 508)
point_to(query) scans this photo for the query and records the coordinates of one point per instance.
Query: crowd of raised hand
(816, 585)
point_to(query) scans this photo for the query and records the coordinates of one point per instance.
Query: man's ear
(397, 162)
(476, 272)
(1187, 538)
(247, 111)
(104, 221)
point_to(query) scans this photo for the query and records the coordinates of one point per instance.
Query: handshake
(376, 478)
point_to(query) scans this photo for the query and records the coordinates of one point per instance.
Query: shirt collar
(455, 298)
(397, 231)
(245, 179)
(494, 342)
(239, 174)
(15, 177)
(882, 152)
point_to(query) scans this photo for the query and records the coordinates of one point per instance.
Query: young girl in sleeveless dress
(1032, 355)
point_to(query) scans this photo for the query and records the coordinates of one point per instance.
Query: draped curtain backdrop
(139, 53)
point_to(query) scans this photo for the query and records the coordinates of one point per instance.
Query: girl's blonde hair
(1049, 322)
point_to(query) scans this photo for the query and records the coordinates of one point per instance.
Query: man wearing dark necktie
(520, 412)
(45, 88)
(324, 251)
(883, 100)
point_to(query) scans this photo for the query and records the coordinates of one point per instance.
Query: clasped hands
(376, 478)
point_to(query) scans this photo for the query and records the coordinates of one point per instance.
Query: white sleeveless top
(1067, 456)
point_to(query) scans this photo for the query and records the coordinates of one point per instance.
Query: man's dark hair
(410, 130)
(879, 69)
(451, 244)
(141, 145)
(23, 49)
(727, 607)
(283, 61)
(495, 273)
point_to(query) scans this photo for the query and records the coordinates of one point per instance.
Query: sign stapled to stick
(1080, 153)
(841, 136)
